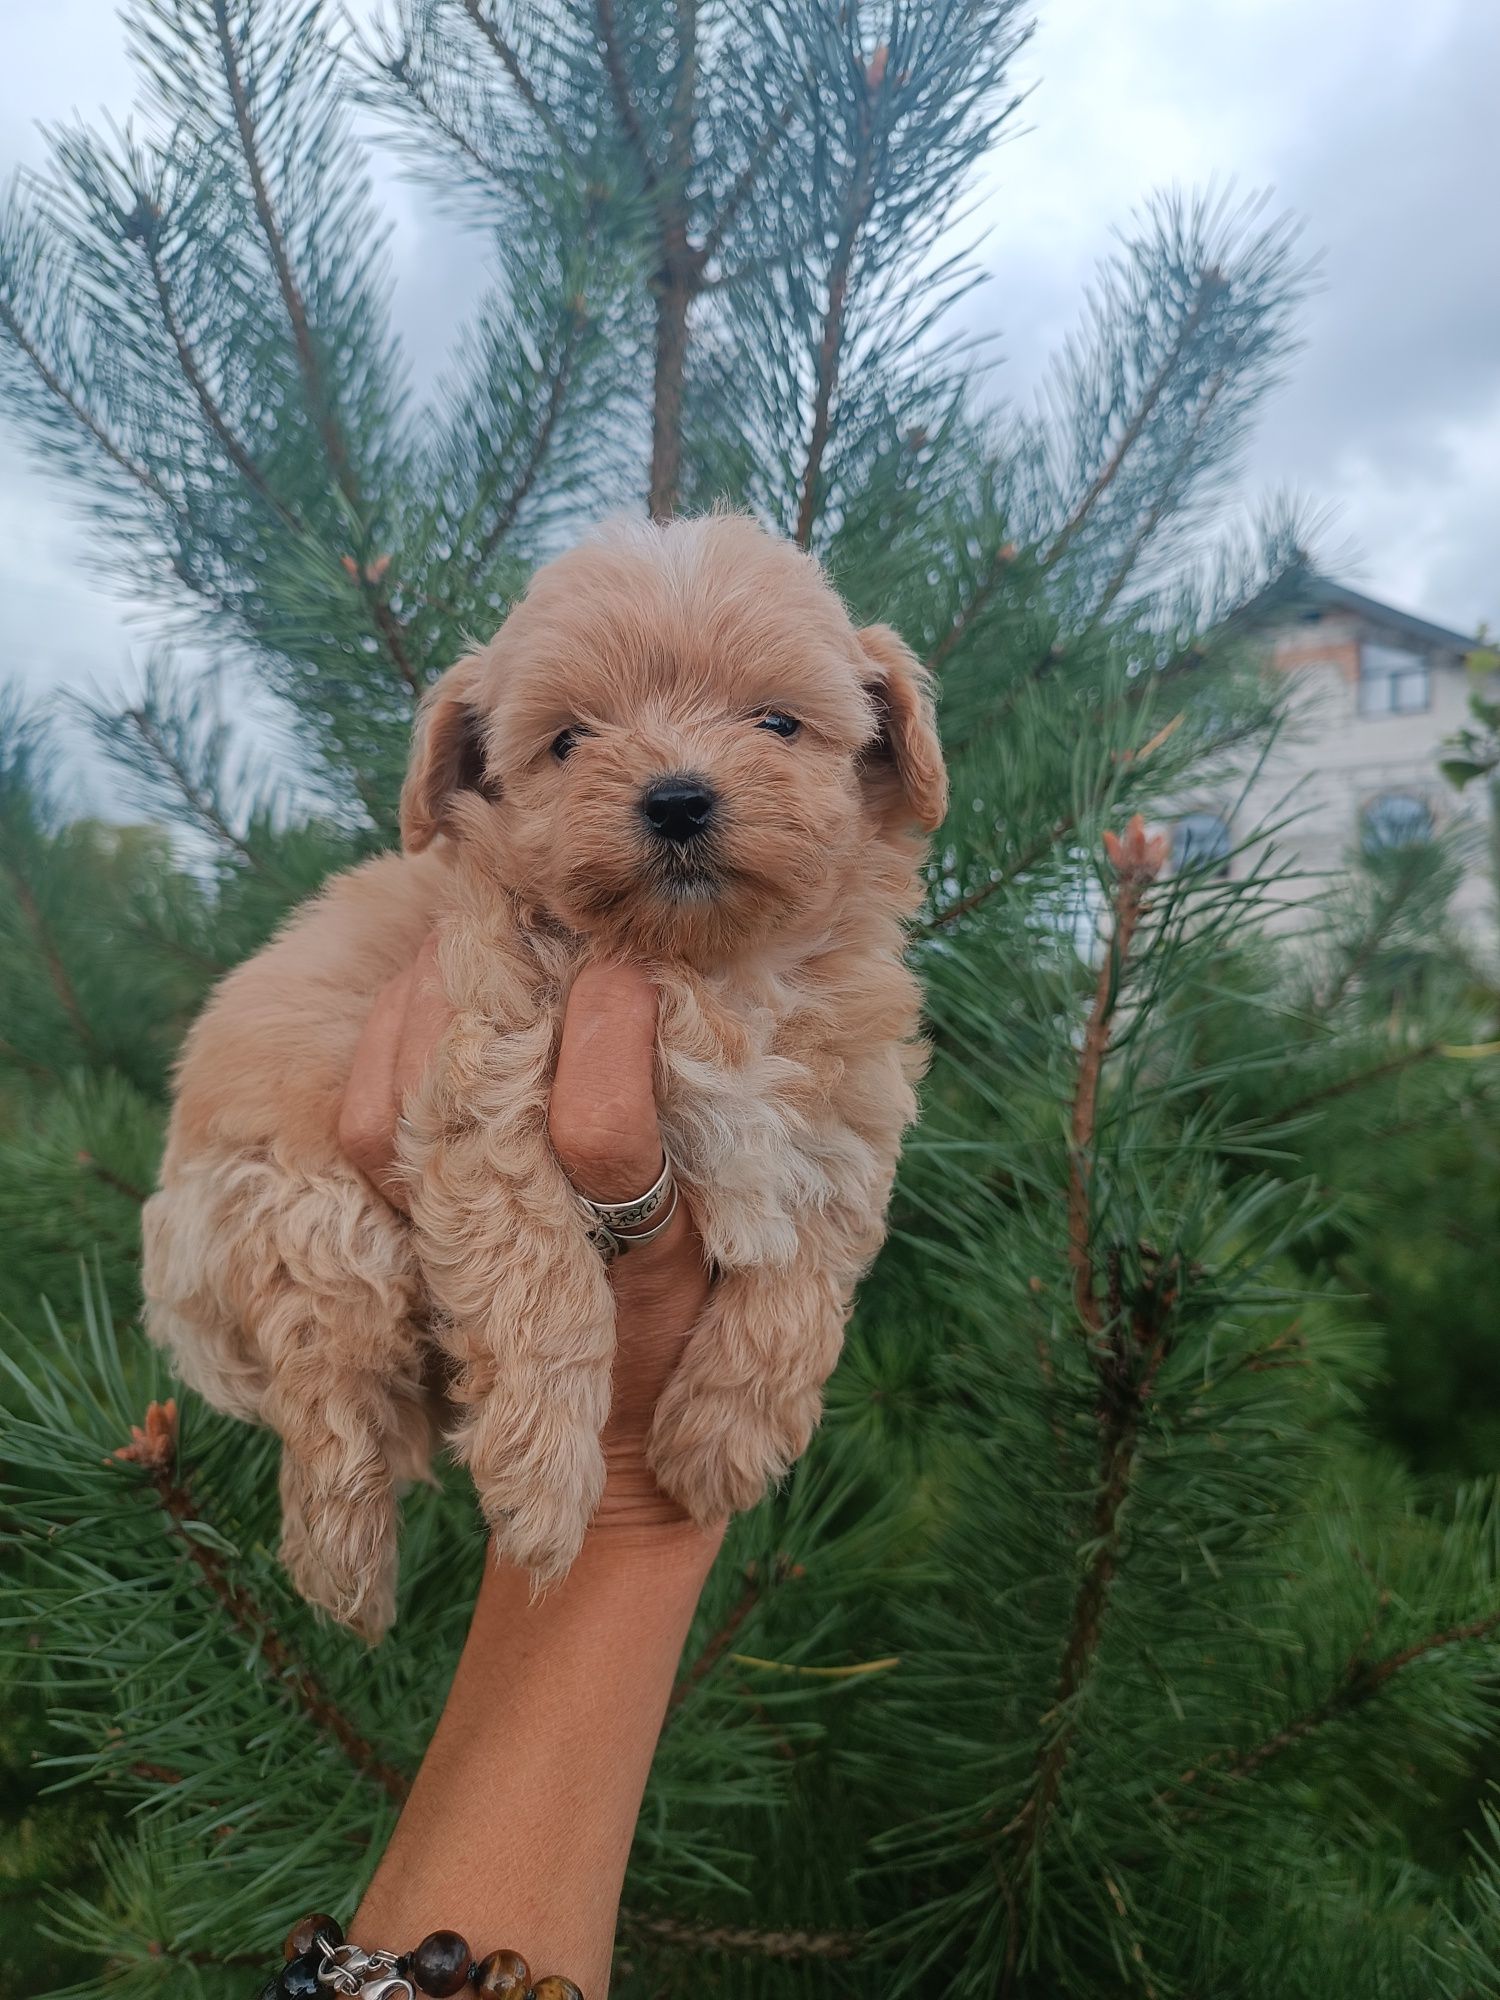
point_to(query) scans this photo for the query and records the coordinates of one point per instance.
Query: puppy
(677, 750)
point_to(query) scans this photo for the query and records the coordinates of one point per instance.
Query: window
(1393, 681)
(1201, 842)
(1396, 819)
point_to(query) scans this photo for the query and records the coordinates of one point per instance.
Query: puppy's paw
(715, 1451)
(338, 1546)
(538, 1489)
(543, 1539)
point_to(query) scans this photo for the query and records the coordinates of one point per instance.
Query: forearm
(520, 1821)
(519, 1824)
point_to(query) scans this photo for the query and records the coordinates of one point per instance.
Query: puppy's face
(678, 744)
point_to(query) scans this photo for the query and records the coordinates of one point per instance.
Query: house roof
(1323, 594)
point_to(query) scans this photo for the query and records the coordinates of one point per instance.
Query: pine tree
(1093, 1649)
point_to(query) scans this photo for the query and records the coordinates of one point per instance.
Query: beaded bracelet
(319, 1962)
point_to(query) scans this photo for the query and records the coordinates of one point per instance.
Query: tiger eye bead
(555, 1987)
(299, 1978)
(305, 1933)
(504, 1975)
(440, 1964)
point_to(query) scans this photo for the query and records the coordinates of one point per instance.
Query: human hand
(521, 1817)
(603, 1126)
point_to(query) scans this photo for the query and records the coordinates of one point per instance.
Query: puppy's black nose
(679, 808)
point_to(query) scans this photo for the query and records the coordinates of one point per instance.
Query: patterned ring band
(616, 1215)
(612, 1243)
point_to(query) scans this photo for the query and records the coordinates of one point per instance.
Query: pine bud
(153, 1444)
(1137, 857)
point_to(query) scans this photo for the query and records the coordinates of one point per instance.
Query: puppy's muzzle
(679, 809)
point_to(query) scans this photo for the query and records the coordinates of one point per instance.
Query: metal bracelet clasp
(369, 1975)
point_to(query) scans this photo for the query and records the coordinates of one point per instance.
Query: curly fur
(787, 1055)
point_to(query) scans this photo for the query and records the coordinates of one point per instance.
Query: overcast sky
(1371, 119)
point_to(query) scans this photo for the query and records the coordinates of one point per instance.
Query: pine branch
(742, 1942)
(674, 296)
(1085, 1109)
(113, 1180)
(1152, 518)
(625, 105)
(161, 940)
(510, 507)
(1127, 1354)
(1041, 847)
(154, 1447)
(1210, 285)
(524, 88)
(309, 364)
(84, 418)
(206, 1961)
(1000, 560)
(749, 175)
(198, 801)
(46, 944)
(1344, 1086)
(719, 1640)
(1361, 1681)
(678, 277)
(1409, 881)
(1128, 1381)
(393, 633)
(40, 1071)
(1025, 861)
(1138, 860)
(398, 70)
(830, 347)
(143, 227)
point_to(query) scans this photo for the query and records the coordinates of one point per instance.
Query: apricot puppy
(678, 750)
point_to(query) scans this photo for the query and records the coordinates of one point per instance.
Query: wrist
(634, 1510)
(639, 1529)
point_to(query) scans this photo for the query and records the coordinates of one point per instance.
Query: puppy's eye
(566, 741)
(778, 722)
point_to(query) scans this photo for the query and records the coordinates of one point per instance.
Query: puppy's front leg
(748, 1391)
(526, 1309)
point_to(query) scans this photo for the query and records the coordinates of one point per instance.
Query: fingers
(602, 1118)
(603, 1125)
(405, 1025)
(423, 1025)
(367, 1118)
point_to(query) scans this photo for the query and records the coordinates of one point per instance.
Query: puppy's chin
(682, 889)
(694, 912)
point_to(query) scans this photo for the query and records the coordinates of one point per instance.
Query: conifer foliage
(1091, 1650)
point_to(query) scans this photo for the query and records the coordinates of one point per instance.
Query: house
(1377, 693)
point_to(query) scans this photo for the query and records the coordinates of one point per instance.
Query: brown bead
(504, 1975)
(555, 1987)
(440, 1964)
(305, 1932)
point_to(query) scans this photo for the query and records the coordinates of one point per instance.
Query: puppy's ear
(904, 768)
(447, 756)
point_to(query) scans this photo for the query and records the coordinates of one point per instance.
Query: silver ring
(612, 1243)
(615, 1215)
